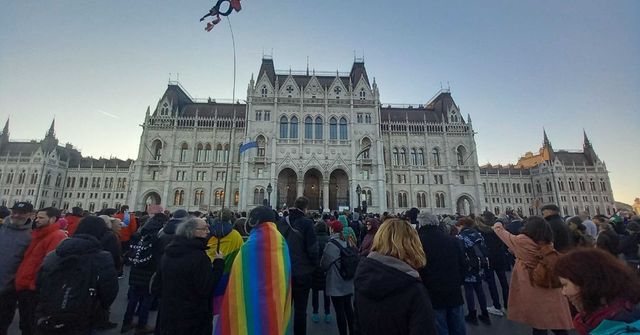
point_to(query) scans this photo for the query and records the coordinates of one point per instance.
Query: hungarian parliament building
(326, 136)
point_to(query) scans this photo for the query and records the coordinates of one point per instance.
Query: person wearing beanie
(166, 235)
(84, 244)
(264, 258)
(561, 233)
(339, 289)
(443, 275)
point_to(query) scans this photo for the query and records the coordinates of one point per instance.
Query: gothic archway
(151, 198)
(287, 188)
(465, 205)
(338, 189)
(313, 188)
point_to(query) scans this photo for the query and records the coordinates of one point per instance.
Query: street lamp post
(358, 190)
(269, 189)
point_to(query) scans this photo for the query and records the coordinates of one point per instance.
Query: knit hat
(550, 207)
(336, 226)
(261, 214)
(180, 213)
(427, 219)
(92, 225)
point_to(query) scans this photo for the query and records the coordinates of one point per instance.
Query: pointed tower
(547, 150)
(4, 137)
(52, 132)
(50, 142)
(587, 148)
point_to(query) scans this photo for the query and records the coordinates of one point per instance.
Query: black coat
(187, 279)
(444, 274)
(561, 234)
(497, 249)
(303, 262)
(319, 275)
(111, 242)
(141, 276)
(389, 301)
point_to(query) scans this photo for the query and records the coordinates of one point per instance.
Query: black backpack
(68, 298)
(349, 259)
(476, 258)
(141, 253)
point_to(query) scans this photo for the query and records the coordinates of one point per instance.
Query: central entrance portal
(287, 180)
(313, 188)
(338, 190)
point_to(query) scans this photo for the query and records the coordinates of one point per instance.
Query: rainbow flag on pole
(258, 296)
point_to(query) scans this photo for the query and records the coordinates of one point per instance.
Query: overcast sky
(515, 66)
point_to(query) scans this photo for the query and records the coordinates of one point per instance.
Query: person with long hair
(603, 289)
(387, 283)
(541, 308)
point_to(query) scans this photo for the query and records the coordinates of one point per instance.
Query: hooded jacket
(43, 241)
(391, 299)
(141, 276)
(14, 240)
(166, 235)
(90, 247)
(187, 282)
(306, 264)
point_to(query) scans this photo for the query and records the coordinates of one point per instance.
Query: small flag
(248, 146)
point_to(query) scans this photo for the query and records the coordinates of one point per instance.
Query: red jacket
(73, 222)
(126, 232)
(43, 241)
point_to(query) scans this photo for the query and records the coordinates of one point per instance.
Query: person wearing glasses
(187, 279)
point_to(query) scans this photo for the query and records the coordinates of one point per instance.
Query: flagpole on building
(233, 102)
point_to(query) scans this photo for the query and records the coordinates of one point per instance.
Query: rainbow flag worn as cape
(258, 295)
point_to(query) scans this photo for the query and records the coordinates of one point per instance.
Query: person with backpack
(339, 283)
(477, 261)
(320, 277)
(75, 281)
(390, 298)
(497, 263)
(15, 237)
(533, 301)
(297, 229)
(144, 255)
(45, 237)
(604, 291)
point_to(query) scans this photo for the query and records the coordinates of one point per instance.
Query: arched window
(366, 143)
(402, 200)
(440, 200)
(157, 149)
(308, 128)
(226, 153)
(421, 200)
(264, 91)
(219, 153)
(200, 153)
(262, 144)
(34, 177)
(420, 156)
(21, 177)
(284, 127)
(388, 199)
(198, 198)
(178, 198)
(363, 94)
(293, 127)
(414, 156)
(58, 180)
(395, 157)
(207, 153)
(236, 198)
(368, 198)
(403, 156)
(461, 153)
(183, 152)
(319, 129)
(436, 156)
(219, 198)
(343, 128)
(333, 129)
(47, 178)
(258, 195)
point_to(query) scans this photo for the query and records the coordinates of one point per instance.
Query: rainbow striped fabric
(258, 295)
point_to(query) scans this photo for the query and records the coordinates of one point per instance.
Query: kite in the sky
(215, 11)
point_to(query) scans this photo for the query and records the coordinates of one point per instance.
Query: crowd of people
(232, 273)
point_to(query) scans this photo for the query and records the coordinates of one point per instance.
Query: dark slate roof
(411, 114)
(88, 162)
(24, 148)
(303, 80)
(570, 158)
(503, 170)
(210, 110)
(358, 70)
(267, 66)
(177, 95)
(442, 102)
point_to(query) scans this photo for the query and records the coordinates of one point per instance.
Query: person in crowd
(605, 292)
(45, 237)
(187, 280)
(4, 213)
(339, 289)
(607, 238)
(526, 301)
(514, 222)
(348, 232)
(264, 258)
(579, 235)
(167, 234)
(303, 251)
(129, 226)
(144, 264)
(412, 216)
(629, 244)
(475, 251)
(372, 225)
(561, 233)
(497, 263)
(226, 240)
(240, 224)
(84, 245)
(390, 298)
(320, 276)
(73, 219)
(591, 228)
(15, 237)
(443, 275)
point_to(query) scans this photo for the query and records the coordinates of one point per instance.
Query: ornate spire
(5, 130)
(546, 142)
(586, 143)
(52, 131)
